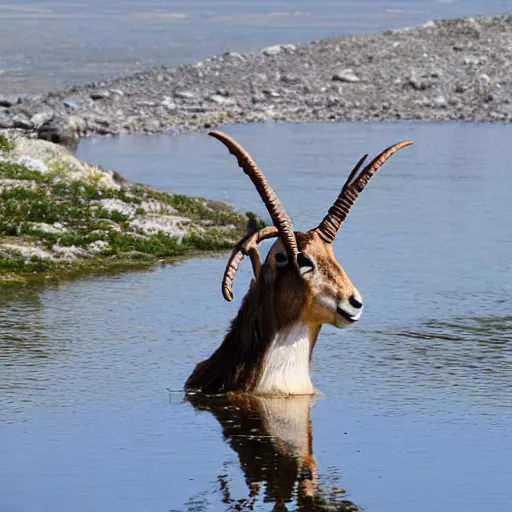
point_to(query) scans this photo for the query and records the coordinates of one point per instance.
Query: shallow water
(417, 397)
(48, 43)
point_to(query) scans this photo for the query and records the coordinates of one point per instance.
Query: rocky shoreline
(441, 71)
(60, 216)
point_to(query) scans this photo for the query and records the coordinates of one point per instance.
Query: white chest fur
(286, 365)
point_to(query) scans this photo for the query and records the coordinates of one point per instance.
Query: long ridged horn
(247, 246)
(354, 185)
(267, 194)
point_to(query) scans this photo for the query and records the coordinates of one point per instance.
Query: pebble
(236, 55)
(21, 122)
(77, 123)
(222, 100)
(41, 118)
(440, 101)
(291, 79)
(71, 103)
(4, 102)
(472, 60)
(5, 121)
(169, 104)
(100, 95)
(346, 75)
(272, 50)
(276, 49)
(184, 95)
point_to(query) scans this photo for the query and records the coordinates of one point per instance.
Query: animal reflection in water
(299, 287)
(273, 439)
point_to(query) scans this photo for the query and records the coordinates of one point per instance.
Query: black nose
(355, 303)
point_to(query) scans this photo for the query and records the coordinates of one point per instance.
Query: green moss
(15, 171)
(6, 146)
(198, 208)
(25, 266)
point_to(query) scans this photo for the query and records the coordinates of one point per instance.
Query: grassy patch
(6, 146)
(25, 266)
(197, 208)
(64, 214)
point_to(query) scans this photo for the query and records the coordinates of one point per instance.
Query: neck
(285, 368)
(258, 355)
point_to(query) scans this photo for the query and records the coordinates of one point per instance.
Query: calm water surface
(48, 43)
(417, 398)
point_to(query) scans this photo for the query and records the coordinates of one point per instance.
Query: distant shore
(449, 70)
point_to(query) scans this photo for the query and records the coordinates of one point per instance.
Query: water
(417, 397)
(49, 43)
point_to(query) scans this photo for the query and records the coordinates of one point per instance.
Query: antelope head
(298, 288)
(309, 283)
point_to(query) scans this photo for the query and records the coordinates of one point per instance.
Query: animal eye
(281, 259)
(305, 263)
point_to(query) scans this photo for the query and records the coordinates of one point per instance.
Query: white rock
(70, 252)
(473, 60)
(272, 50)
(77, 123)
(98, 246)
(35, 164)
(222, 100)
(184, 95)
(55, 228)
(346, 75)
(440, 101)
(168, 224)
(236, 55)
(168, 103)
(116, 205)
(278, 48)
(40, 118)
(473, 24)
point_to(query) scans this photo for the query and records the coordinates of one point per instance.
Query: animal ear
(281, 259)
(305, 263)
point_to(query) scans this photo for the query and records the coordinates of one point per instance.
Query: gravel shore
(446, 70)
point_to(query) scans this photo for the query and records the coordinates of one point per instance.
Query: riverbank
(60, 216)
(445, 70)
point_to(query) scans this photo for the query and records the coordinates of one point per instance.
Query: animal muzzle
(351, 309)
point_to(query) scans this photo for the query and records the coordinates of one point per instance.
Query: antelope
(299, 287)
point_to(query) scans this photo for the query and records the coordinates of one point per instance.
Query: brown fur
(278, 298)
